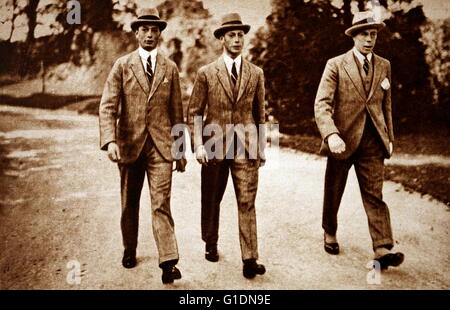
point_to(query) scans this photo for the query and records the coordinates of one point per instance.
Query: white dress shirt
(229, 63)
(144, 56)
(360, 56)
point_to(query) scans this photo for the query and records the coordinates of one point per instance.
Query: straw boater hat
(230, 22)
(364, 20)
(148, 16)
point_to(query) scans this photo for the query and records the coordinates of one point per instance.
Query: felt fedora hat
(364, 20)
(231, 21)
(148, 16)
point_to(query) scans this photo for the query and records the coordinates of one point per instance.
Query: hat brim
(356, 28)
(221, 31)
(160, 23)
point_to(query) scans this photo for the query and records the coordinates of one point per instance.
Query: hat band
(149, 17)
(365, 21)
(233, 22)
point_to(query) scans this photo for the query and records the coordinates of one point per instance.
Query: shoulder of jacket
(337, 60)
(124, 59)
(208, 68)
(383, 59)
(169, 62)
(386, 61)
(255, 67)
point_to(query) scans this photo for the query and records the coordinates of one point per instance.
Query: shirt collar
(144, 54)
(361, 56)
(229, 62)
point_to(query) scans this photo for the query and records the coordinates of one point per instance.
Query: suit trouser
(369, 167)
(214, 177)
(159, 175)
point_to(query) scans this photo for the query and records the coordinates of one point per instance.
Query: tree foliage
(191, 27)
(65, 41)
(436, 36)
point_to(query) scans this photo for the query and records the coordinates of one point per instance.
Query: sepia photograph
(250, 146)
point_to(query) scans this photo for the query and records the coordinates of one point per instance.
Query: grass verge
(427, 179)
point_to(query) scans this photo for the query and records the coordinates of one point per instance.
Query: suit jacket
(213, 100)
(130, 110)
(341, 104)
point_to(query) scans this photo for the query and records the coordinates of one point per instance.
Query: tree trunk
(13, 19)
(30, 11)
(361, 5)
(347, 12)
(384, 3)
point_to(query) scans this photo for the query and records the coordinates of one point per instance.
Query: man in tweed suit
(353, 114)
(229, 91)
(141, 103)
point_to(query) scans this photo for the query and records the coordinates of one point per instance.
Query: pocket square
(165, 80)
(385, 84)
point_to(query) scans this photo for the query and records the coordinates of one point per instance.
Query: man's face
(148, 36)
(365, 40)
(233, 42)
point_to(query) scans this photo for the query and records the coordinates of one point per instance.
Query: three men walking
(141, 103)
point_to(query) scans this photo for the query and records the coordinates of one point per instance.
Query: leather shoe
(211, 253)
(170, 274)
(251, 268)
(330, 247)
(391, 259)
(129, 258)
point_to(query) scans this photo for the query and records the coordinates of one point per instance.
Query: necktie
(234, 75)
(149, 70)
(366, 65)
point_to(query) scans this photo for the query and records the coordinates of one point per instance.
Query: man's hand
(113, 152)
(181, 164)
(391, 148)
(336, 144)
(201, 155)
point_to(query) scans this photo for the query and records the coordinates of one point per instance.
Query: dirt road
(60, 210)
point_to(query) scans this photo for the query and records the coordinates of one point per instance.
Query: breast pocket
(164, 88)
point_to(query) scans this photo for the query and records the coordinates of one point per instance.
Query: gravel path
(60, 203)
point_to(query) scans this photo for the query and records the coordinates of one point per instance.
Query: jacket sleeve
(196, 109)
(176, 103)
(387, 107)
(259, 113)
(176, 112)
(324, 103)
(109, 104)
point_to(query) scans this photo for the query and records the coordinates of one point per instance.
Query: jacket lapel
(352, 70)
(376, 75)
(222, 75)
(160, 73)
(138, 70)
(245, 77)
